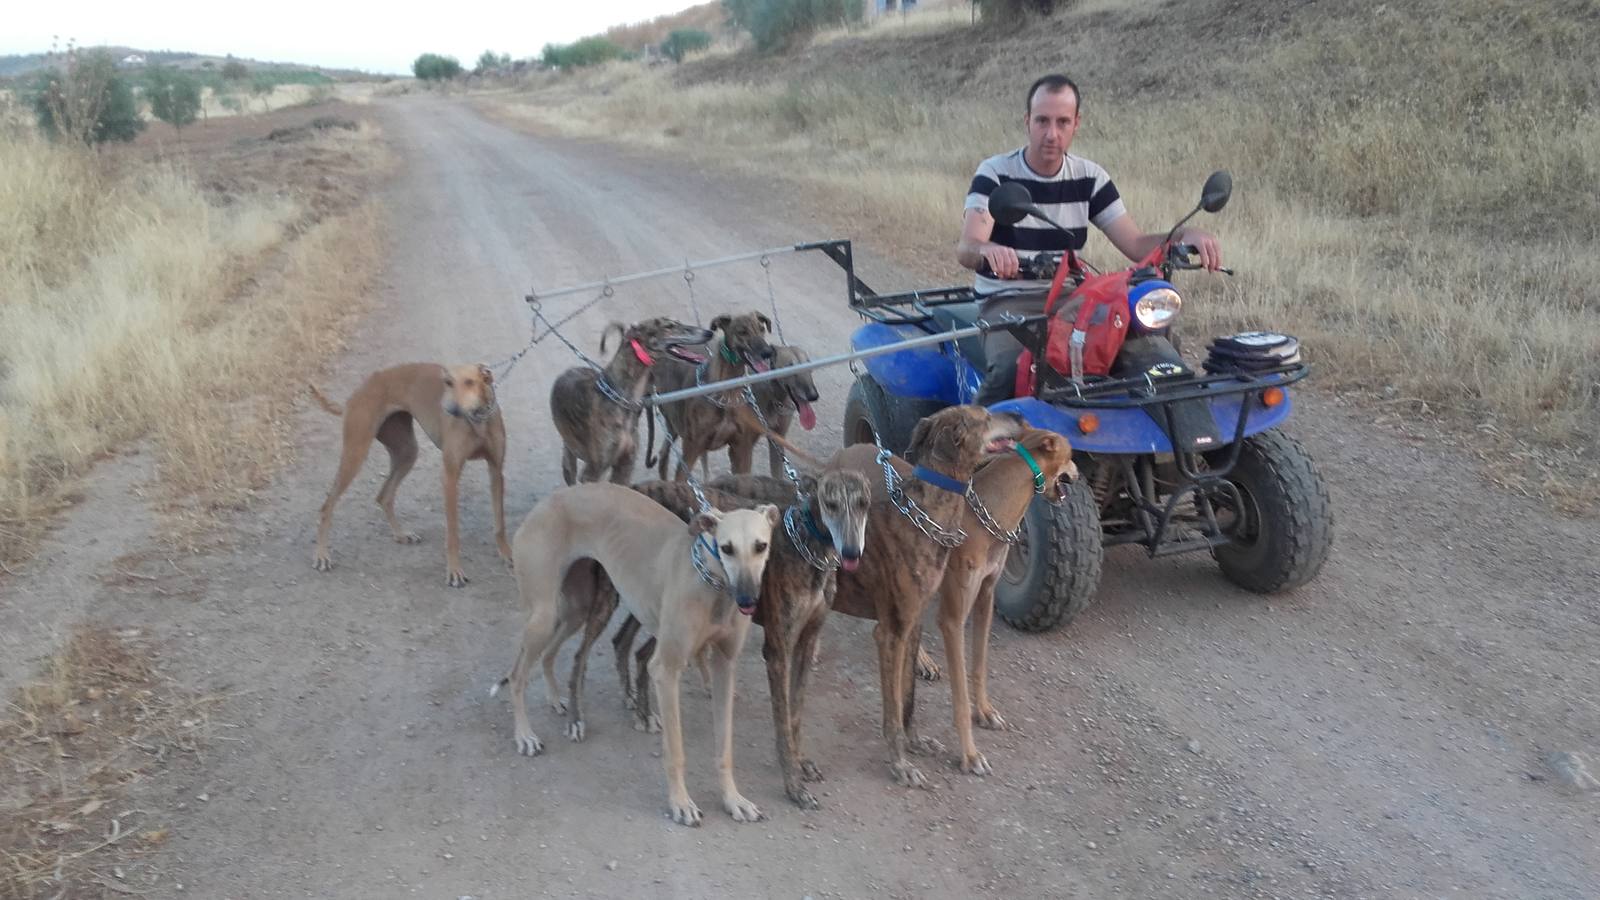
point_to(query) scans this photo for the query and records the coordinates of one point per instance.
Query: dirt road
(1381, 733)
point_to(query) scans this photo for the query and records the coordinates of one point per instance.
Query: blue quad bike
(1171, 459)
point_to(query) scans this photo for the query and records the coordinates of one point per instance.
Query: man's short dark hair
(1054, 83)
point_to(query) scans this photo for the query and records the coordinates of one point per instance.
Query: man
(1072, 191)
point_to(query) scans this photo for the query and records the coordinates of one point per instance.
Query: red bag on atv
(1100, 323)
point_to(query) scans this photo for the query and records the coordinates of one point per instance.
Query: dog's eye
(761, 547)
(727, 549)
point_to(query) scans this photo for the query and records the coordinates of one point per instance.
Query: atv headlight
(1154, 305)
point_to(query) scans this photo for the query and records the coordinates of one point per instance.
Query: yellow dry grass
(134, 305)
(1407, 179)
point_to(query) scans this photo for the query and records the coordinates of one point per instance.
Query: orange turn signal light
(1271, 397)
(1088, 423)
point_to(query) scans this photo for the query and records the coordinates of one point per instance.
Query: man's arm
(975, 247)
(1136, 245)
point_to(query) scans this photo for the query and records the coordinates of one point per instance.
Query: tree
(261, 87)
(86, 101)
(587, 52)
(488, 62)
(777, 24)
(174, 96)
(233, 70)
(434, 67)
(684, 41)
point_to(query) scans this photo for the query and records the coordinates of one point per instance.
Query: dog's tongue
(808, 416)
(849, 565)
(759, 365)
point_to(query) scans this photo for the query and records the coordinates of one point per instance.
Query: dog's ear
(444, 375)
(919, 436)
(765, 322)
(720, 323)
(771, 512)
(622, 331)
(485, 372)
(704, 522)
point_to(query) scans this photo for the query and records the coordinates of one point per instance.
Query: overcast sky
(357, 34)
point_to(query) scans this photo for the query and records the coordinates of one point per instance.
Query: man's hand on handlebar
(1205, 245)
(1002, 260)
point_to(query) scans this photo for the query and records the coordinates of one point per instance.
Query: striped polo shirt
(1078, 195)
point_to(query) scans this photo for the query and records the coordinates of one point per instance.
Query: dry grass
(1407, 178)
(161, 299)
(101, 717)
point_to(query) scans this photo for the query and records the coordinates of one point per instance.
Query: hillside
(24, 64)
(1403, 174)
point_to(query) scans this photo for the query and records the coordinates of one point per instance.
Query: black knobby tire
(870, 410)
(1038, 591)
(1286, 529)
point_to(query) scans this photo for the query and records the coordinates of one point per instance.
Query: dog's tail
(327, 404)
(748, 420)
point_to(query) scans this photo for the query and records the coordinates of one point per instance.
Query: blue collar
(939, 480)
(811, 526)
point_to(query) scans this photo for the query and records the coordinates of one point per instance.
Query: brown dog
(699, 424)
(782, 401)
(1003, 487)
(597, 413)
(457, 411)
(902, 564)
(795, 597)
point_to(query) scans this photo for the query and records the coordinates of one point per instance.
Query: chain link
(823, 563)
(788, 470)
(772, 298)
(696, 557)
(988, 520)
(939, 534)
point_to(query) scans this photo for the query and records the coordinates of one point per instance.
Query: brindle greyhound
(597, 413)
(700, 424)
(797, 591)
(903, 562)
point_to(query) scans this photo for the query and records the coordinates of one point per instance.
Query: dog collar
(727, 352)
(746, 604)
(939, 480)
(641, 353)
(1038, 475)
(811, 525)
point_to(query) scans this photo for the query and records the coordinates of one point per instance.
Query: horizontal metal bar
(715, 387)
(688, 266)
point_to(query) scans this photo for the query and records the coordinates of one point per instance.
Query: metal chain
(510, 362)
(672, 447)
(788, 470)
(824, 563)
(939, 534)
(606, 388)
(606, 292)
(988, 520)
(695, 556)
(772, 298)
(699, 375)
(688, 279)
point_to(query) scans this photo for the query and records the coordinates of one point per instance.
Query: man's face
(1052, 121)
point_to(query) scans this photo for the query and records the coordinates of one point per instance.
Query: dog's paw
(650, 724)
(923, 746)
(408, 537)
(558, 706)
(741, 809)
(974, 763)
(575, 730)
(322, 562)
(989, 719)
(684, 812)
(456, 578)
(809, 770)
(803, 798)
(528, 744)
(908, 775)
(926, 668)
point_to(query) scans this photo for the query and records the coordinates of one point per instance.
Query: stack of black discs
(1252, 351)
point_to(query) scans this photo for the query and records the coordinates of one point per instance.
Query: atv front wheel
(1281, 536)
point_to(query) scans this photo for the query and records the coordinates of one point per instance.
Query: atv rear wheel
(872, 411)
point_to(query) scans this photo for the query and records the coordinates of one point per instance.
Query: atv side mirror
(1011, 203)
(1214, 196)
